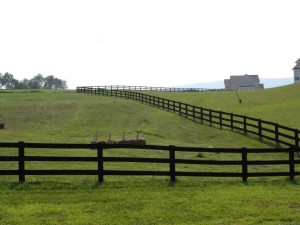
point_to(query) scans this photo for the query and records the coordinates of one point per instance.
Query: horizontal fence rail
(279, 134)
(147, 88)
(173, 160)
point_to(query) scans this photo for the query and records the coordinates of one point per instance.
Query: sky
(150, 43)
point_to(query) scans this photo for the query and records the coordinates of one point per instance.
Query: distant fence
(147, 88)
(172, 160)
(263, 129)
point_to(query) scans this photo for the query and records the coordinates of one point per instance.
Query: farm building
(243, 82)
(297, 71)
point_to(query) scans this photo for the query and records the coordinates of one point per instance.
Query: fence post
(201, 114)
(276, 133)
(231, 121)
(221, 119)
(21, 162)
(179, 108)
(186, 110)
(172, 163)
(194, 114)
(100, 163)
(244, 165)
(136, 96)
(292, 163)
(146, 98)
(210, 117)
(259, 129)
(296, 138)
(245, 125)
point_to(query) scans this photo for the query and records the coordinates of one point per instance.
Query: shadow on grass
(146, 183)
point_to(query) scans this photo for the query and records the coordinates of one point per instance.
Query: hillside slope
(77, 118)
(280, 105)
(70, 117)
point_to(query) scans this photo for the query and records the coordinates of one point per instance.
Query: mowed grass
(67, 117)
(189, 201)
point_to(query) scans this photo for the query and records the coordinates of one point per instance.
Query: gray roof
(236, 78)
(298, 64)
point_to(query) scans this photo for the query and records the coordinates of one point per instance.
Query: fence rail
(263, 129)
(148, 88)
(172, 160)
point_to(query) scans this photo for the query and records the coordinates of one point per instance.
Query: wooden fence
(147, 88)
(263, 129)
(172, 160)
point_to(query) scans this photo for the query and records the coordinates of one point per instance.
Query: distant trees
(7, 81)
(51, 82)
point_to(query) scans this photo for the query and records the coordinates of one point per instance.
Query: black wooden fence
(172, 160)
(263, 129)
(147, 88)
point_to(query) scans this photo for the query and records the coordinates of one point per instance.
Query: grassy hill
(275, 104)
(67, 117)
(77, 118)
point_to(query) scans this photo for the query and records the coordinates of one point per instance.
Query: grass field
(274, 104)
(67, 117)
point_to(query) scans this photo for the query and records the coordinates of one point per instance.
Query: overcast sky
(152, 43)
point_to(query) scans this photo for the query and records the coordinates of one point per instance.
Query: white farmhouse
(243, 83)
(297, 72)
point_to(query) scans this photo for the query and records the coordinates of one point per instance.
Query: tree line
(7, 81)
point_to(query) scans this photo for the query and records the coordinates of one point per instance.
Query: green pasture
(278, 105)
(68, 117)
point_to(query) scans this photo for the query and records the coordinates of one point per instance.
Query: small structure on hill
(243, 83)
(1, 125)
(297, 71)
(123, 141)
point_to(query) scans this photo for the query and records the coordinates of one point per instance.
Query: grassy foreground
(151, 202)
(70, 117)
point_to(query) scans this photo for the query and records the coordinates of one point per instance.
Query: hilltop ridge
(268, 83)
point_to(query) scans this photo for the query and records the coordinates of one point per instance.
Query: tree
(36, 82)
(1, 76)
(49, 82)
(23, 84)
(8, 81)
(60, 84)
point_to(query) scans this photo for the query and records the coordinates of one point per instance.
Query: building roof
(236, 78)
(298, 64)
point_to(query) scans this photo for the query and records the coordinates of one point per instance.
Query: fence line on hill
(148, 88)
(263, 129)
(172, 160)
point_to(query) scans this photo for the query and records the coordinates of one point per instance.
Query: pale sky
(151, 43)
